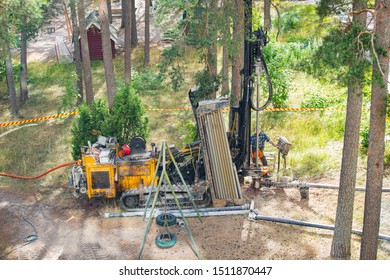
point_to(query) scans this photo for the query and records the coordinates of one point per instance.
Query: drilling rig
(212, 167)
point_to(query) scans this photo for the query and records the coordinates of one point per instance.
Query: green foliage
(126, 121)
(201, 28)
(147, 82)
(328, 7)
(90, 120)
(342, 53)
(301, 22)
(313, 162)
(365, 137)
(3, 70)
(127, 118)
(290, 21)
(278, 68)
(188, 129)
(71, 93)
(316, 100)
(170, 64)
(207, 83)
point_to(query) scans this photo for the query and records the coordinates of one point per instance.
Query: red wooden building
(95, 37)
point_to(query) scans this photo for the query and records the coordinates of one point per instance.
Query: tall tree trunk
(109, 11)
(107, 53)
(267, 15)
(128, 45)
(125, 6)
(225, 71)
(23, 67)
(76, 51)
(376, 146)
(11, 83)
(134, 36)
(238, 53)
(212, 51)
(225, 51)
(226, 39)
(341, 243)
(147, 34)
(89, 96)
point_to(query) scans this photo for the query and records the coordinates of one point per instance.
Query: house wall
(95, 44)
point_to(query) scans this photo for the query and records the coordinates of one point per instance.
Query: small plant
(147, 82)
(290, 20)
(189, 130)
(365, 134)
(316, 100)
(71, 95)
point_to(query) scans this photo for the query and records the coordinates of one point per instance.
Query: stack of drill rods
(228, 180)
(222, 172)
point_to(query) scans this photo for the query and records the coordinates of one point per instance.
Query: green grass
(316, 137)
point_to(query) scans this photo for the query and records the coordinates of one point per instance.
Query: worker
(260, 154)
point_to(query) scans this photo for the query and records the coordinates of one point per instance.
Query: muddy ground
(71, 229)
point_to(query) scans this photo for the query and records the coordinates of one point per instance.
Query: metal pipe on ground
(316, 186)
(232, 210)
(253, 216)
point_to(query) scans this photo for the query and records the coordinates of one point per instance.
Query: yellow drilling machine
(129, 173)
(211, 168)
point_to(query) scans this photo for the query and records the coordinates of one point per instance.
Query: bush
(290, 21)
(316, 100)
(90, 122)
(125, 121)
(147, 82)
(277, 63)
(190, 134)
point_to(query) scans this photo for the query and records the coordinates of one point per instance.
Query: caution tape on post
(291, 109)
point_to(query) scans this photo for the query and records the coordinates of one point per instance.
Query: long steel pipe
(232, 210)
(314, 185)
(253, 216)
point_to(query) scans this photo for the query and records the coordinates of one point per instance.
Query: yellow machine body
(123, 173)
(135, 173)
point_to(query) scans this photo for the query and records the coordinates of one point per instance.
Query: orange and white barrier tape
(175, 109)
(38, 119)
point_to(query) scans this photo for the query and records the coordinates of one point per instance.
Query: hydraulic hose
(270, 89)
(38, 176)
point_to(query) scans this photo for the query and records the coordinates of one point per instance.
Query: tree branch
(278, 12)
(372, 32)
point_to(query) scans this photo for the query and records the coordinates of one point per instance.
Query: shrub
(290, 21)
(147, 82)
(190, 133)
(316, 100)
(127, 118)
(91, 120)
(278, 67)
(125, 121)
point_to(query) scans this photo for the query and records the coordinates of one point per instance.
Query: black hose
(307, 224)
(27, 240)
(270, 89)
